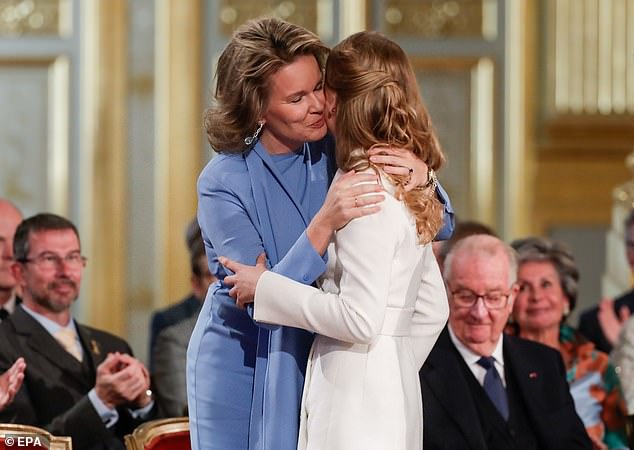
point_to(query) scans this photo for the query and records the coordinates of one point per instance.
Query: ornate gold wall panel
(178, 140)
(580, 162)
(459, 94)
(104, 160)
(233, 13)
(441, 18)
(591, 47)
(575, 187)
(521, 106)
(587, 110)
(34, 162)
(35, 17)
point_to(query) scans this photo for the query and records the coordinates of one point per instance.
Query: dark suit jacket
(167, 317)
(589, 323)
(170, 356)
(449, 411)
(54, 393)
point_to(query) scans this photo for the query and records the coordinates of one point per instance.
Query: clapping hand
(122, 380)
(610, 323)
(11, 381)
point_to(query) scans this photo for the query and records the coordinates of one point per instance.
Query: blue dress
(244, 382)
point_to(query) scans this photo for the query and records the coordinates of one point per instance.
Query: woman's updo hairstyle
(379, 104)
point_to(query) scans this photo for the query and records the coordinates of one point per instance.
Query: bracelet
(432, 179)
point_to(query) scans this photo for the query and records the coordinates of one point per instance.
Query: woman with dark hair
(267, 191)
(382, 301)
(548, 279)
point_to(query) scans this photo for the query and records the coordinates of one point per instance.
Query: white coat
(381, 306)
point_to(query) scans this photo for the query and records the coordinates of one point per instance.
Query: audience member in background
(170, 347)
(484, 390)
(602, 324)
(79, 381)
(187, 307)
(547, 279)
(623, 358)
(10, 218)
(463, 229)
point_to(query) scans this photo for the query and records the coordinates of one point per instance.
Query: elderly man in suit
(79, 381)
(483, 390)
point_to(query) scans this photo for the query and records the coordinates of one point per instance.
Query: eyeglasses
(51, 261)
(466, 298)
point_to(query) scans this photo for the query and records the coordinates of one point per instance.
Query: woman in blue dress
(267, 191)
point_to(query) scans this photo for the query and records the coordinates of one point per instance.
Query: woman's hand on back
(244, 279)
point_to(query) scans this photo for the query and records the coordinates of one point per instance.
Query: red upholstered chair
(13, 436)
(162, 434)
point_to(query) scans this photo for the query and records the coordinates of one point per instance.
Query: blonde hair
(378, 103)
(257, 50)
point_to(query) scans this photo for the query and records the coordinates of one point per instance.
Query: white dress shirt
(472, 358)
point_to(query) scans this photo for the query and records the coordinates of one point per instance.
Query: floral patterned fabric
(595, 388)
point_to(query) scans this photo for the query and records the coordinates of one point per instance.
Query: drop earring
(251, 139)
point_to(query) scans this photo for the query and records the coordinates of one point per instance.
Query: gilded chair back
(161, 434)
(28, 437)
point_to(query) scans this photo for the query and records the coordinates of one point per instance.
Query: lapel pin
(94, 346)
(532, 375)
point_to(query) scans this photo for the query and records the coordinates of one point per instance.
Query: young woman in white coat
(382, 303)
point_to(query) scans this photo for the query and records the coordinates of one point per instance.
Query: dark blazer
(450, 414)
(186, 308)
(589, 323)
(54, 393)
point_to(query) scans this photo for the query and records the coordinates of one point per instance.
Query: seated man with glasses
(484, 390)
(79, 381)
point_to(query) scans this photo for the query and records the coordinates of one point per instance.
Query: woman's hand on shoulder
(400, 161)
(350, 196)
(244, 279)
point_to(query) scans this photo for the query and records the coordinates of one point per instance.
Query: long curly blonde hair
(379, 103)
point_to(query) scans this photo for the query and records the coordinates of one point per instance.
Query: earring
(250, 139)
(566, 309)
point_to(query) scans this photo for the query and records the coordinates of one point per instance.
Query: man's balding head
(480, 274)
(10, 218)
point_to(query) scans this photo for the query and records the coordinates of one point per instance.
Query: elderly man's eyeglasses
(51, 261)
(466, 298)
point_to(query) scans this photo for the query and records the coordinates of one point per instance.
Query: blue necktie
(493, 386)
